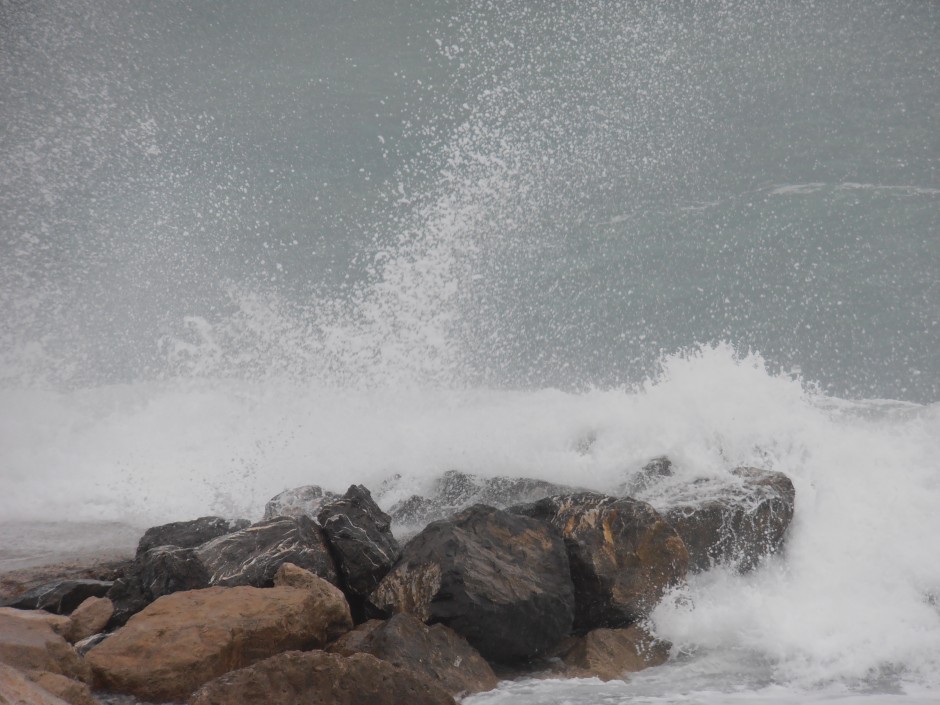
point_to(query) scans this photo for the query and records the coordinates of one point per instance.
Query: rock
(325, 594)
(30, 644)
(188, 534)
(60, 624)
(623, 555)
(499, 580)
(71, 691)
(437, 652)
(608, 654)
(456, 490)
(60, 596)
(161, 570)
(318, 677)
(15, 583)
(735, 521)
(253, 555)
(87, 644)
(361, 538)
(300, 501)
(89, 618)
(17, 689)
(205, 633)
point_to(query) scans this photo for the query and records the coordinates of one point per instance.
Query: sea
(248, 246)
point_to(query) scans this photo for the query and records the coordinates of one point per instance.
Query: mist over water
(245, 248)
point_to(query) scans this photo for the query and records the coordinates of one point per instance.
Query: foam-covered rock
(456, 490)
(299, 501)
(735, 520)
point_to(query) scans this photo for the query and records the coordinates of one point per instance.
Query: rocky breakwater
(212, 611)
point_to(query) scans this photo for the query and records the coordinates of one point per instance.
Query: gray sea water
(245, 246)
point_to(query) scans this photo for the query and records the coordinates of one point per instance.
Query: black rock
(499, 580)
(359, 534)
(253, 555)
(61, 596)
(623, 555)
(159, 571)
(188, 534)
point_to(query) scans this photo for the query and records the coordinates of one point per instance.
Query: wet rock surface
(734, 521)
(253, 555)
(188, 534)
(185, 639)
(320, 677)
(609, 654)
(623, 555)
(60, 596)
(436, 652)
(360, 537)
(499, 580)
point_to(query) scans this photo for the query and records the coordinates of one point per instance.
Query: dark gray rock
(159, 571)
(188, 534)
(499, 580)
(299, 501)
(623, 555)
(253, 555)
(361, 538)
(60, 596)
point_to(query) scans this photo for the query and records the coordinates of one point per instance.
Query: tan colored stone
(319, 678)
(609, 654)
(187, 638)
(17, 689)
(71, 691)
(60, 623)
(89, 618)
(28, 642)
(290, 575)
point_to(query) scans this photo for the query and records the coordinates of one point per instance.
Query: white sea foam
(852, 601)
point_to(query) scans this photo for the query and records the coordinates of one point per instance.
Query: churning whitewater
(246, 248)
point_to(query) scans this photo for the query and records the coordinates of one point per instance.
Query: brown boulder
(319, 678)
(59, 623)
(436, 652)
(30, 644)
(17, 689)
(90, 617)
(608, 654)
(499, 580)
(71, 691)
(623, 555)
(183, 640)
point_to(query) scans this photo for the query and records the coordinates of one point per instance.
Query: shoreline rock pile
(320, 602)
